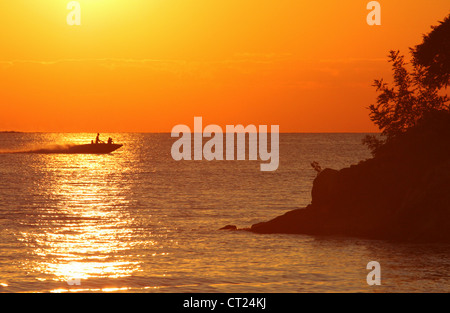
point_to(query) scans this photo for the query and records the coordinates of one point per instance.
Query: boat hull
(93, 148)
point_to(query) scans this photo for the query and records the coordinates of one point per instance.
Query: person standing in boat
(97, 139)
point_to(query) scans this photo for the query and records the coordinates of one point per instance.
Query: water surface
(136, 220)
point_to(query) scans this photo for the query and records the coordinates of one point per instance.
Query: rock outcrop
(401, 194)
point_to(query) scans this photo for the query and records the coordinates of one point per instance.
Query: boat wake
(62, 148)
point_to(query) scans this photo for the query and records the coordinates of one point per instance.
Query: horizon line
(168, 132)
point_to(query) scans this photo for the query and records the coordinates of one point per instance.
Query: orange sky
(147, 65)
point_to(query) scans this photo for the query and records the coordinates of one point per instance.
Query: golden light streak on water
(92, 228)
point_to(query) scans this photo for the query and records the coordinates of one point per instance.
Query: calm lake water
(136, 220)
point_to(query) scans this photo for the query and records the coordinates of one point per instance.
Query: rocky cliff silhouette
(401, 194)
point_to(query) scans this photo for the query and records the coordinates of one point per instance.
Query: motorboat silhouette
(94, 148)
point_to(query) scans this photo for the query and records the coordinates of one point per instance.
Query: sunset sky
(148, 65)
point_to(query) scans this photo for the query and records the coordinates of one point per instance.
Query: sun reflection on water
(83, 234)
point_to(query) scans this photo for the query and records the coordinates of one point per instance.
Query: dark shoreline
(345, 203)
(401, 194)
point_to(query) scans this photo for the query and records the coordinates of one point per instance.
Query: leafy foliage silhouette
(417, 89)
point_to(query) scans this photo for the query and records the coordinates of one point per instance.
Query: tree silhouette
(434, 54)
(416, 91)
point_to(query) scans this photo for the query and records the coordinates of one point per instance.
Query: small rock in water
(229, 227)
